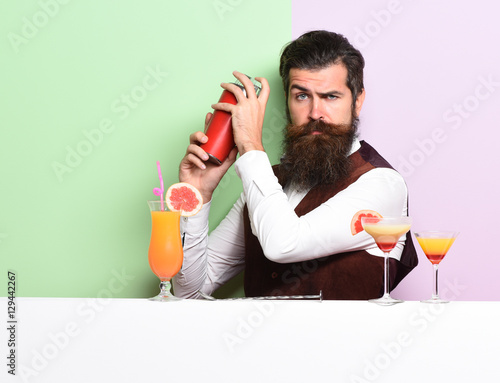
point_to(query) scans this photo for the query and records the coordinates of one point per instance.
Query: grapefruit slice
(185, 198)
(356, 226)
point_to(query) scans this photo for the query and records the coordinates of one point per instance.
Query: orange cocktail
(165, 247)
(435, 248)
(165, 253)
(435, 245)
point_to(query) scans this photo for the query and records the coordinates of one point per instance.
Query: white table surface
(136, 340)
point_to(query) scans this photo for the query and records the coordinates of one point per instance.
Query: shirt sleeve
(210, 260)
(286, 238)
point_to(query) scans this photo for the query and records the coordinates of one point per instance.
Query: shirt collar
(356, 145)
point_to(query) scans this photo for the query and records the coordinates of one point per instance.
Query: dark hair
(318, 50)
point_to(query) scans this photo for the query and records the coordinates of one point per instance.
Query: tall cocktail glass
(386, 232)
(165, 248)
(435, 245)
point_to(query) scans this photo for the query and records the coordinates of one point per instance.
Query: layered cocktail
(386, 232)
(435, 245)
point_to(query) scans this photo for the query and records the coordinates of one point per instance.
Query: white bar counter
(136, 340)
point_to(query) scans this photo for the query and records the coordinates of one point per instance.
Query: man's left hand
(248, 114)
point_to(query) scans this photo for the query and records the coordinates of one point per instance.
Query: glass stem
(435, 294)
(165, 287)
(386, 274)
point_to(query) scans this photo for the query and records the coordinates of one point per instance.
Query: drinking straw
(157, 191)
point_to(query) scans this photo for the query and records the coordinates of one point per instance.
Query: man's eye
(331, 97)
(301, 96)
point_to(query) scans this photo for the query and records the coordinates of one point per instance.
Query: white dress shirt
(211, 260)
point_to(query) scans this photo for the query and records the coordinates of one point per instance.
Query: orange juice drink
(165, 247)
(435, 248)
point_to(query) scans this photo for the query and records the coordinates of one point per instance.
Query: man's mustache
(318, 126)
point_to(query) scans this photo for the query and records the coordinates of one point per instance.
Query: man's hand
(247, 120)
(193, 169)
(248, 114)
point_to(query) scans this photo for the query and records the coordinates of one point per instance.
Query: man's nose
(316, 112)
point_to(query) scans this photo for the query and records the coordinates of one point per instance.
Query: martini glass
(386, 233)
(435, 245)
(165, 253)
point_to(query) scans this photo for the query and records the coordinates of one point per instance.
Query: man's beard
(313, 159)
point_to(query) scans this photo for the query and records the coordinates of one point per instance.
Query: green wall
(94, 93)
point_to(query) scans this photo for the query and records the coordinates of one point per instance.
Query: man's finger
(198, 138)
(265, 89)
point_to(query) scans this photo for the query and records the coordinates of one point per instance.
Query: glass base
(165, 295)
(386, 300)
(435, 300)
(163, 298)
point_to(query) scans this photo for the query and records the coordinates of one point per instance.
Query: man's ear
(359, 102)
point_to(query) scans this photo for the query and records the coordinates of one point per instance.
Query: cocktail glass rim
(404, 219)
(436, 233)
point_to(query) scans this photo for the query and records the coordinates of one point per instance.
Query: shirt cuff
(198, 222)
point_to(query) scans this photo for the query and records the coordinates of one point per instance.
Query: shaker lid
(256, 85)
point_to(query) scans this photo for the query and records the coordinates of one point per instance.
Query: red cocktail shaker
(220, 130)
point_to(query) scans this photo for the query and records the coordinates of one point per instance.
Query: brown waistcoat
(350, 275)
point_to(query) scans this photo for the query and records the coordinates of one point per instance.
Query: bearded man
(290, 230)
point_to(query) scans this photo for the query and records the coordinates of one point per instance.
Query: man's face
(322, 95)
(318, 141)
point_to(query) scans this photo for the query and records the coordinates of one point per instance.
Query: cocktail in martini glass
(435, 245)
(386, 232)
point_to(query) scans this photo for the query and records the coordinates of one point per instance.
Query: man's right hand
(193, 169)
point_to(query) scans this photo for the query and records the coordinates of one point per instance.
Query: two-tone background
(94, 93)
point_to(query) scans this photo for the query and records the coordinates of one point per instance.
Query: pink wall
(432, 109)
